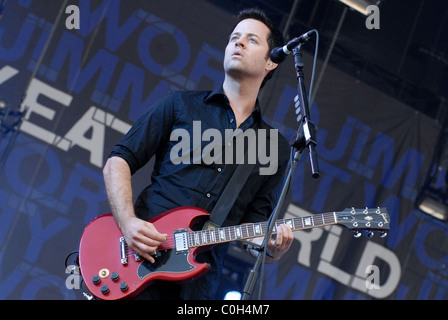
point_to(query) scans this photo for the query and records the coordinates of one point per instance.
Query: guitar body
(101, 253)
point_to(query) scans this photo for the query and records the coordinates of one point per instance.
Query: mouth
(237, 54)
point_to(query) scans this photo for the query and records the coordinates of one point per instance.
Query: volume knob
(124, 286)
(104, 289)
(114, 276)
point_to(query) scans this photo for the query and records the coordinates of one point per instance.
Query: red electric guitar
(111, 270)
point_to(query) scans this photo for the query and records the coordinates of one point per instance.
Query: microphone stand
(306, 134)
(305, 138)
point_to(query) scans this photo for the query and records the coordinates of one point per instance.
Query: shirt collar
(218, 93)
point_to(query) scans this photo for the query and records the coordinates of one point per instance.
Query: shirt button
(219, 169)
(208, 195)
(232, 120)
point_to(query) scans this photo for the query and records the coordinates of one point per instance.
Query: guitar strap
(230, 193)
(228, 196)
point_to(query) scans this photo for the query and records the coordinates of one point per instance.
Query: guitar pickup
(181, 241)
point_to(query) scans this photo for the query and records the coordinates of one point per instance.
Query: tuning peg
(370, 234)
(357, 234)
(383, 234)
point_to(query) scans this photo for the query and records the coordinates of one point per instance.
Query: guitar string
(231, 232)
(321, 219)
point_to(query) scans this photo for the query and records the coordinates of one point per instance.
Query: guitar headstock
(365, 219)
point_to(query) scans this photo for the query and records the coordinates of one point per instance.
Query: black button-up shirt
(181, 176)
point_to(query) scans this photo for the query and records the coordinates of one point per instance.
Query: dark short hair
(275, 38)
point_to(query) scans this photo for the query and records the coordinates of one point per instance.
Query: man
(193, 183)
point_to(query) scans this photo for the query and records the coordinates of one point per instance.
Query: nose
(239, 43)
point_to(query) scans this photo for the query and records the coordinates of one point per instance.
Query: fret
(190, 239)
(257, 229)
(280, 221)
(324, 222)
(231, 233)
(298, 223)
(212, 236)
(222, 236)
(317, 220)
(228, 233)
(327, 219)
(245, 231)
(263, 228)
(290, 222)
(307, 221)
(331, 218)
(237, 232)
(204, 236)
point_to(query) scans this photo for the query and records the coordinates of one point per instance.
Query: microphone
(279, 54)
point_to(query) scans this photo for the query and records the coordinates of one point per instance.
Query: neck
(242, 97)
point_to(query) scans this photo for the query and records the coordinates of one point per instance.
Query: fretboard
(253, 230)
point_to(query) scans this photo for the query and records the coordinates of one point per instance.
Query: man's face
(246, 54)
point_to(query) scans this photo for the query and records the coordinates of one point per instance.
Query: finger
(147, 256)
(144, 243)
(153, 237)
(144, 246)
(276, 241)
(155, 234)
(146, 252)
(288, 236)
(284, 237)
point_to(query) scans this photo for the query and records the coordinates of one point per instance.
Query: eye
(233, 38)
(252, 39)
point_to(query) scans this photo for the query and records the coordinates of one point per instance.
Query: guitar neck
(254, 230)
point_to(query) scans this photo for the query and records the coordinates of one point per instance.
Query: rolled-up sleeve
(147, 134)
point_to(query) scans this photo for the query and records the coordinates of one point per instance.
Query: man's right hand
(142, 237)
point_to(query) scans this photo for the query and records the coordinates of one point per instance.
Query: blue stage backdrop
(85, 87)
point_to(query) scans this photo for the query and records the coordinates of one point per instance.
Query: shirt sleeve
(147, 134)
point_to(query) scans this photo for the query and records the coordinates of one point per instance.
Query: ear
(270, 65)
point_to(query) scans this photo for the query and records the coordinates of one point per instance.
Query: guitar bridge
(181, 241)
(124, 258)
